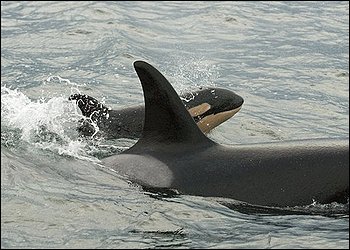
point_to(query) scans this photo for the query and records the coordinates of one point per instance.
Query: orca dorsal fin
(166, 118)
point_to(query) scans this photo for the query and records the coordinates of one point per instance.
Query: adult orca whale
(209, 107)
(175, 154)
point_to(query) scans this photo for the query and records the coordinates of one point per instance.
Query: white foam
(47, 124)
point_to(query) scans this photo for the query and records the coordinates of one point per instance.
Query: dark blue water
(288, 60)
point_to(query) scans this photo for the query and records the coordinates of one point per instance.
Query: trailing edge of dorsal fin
(166, 118)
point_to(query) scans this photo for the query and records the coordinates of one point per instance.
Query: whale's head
(212, 106)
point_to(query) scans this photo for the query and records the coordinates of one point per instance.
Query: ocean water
(288, 60)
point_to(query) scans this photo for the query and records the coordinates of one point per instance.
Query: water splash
(195, 72)
(46, 124)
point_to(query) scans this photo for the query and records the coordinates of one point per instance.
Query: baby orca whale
(175, 154)
(209, 107)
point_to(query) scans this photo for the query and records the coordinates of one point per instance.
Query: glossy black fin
(166, 118)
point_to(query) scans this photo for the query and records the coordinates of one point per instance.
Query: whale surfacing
(174, 153)
(209, 107)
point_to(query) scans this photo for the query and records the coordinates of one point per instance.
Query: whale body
(175, 154)
(209, 107)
